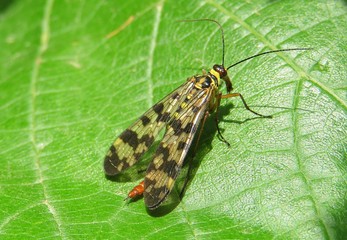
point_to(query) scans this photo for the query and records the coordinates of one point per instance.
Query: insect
(180, 113)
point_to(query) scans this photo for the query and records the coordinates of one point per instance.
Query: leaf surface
(75, 74)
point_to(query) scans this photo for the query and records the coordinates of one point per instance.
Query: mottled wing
(168, 159)
(128, 148)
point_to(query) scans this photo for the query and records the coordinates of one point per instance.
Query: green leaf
(75, 74)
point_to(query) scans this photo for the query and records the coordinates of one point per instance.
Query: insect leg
(230, 95)
(219, 97)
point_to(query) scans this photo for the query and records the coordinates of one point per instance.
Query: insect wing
(128, 148)
(168, 160)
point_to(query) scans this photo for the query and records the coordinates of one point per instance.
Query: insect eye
(221, 70)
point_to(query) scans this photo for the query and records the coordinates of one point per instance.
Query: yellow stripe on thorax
(215, 73)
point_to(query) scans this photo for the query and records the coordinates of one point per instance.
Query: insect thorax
(207, 80)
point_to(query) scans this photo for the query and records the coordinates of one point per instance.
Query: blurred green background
(75, 74)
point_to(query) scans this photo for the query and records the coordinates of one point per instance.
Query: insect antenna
(223, 44)
(272, 51)
(214, 21)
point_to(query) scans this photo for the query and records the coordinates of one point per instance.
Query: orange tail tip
(136, 191)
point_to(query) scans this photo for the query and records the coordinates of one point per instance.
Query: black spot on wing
(112, 161)
(176, 126)
(178, 129)
(164, 117)
(189, 127)
(113, 149)
(147, 139)
(130, 137)
(181, 145)
(176, 95)
(158, 108)
(163, 150)
(195, 109)
(171, 168)
(145, 120)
